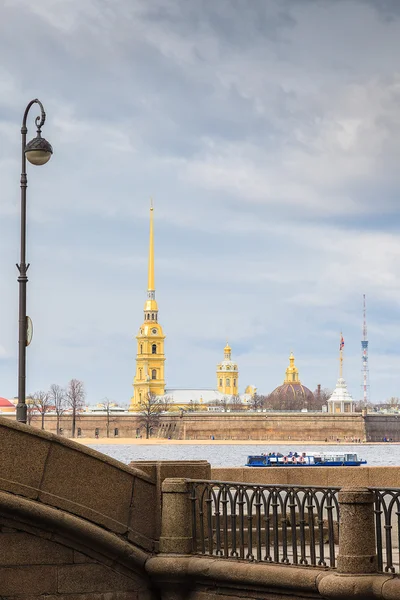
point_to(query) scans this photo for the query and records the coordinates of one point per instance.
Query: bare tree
(321, 397)
(236, 403)
(75, 398)
(224, 403)
(30, 410)
(257, 402)
(57, 396)
(194, 405)
(107, 404)
(287, 400)
(393, 402)
(42, 403)
(150, 410)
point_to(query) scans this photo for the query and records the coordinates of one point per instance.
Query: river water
(236, 455)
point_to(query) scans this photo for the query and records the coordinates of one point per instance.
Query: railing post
(356, 576)
(357, 548)
(176, 533)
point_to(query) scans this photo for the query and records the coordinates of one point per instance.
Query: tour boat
(301, 459)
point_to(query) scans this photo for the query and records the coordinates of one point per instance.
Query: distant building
(341, 400)
(292, 392)
(6, 406)
(228, 374)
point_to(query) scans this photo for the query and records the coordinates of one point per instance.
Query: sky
(268, 135)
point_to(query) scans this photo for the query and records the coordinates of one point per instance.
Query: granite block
(28, 580)
(73, 579)
(25, 549)
(23, 458)
(87, 487)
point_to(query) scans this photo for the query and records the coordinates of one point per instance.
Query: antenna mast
(364, 359)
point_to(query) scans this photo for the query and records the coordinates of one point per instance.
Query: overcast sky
(268, 134)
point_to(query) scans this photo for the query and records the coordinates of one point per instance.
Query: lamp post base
(21, 413)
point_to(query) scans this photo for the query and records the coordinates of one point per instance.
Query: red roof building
(6, 405)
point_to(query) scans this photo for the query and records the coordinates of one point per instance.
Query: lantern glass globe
(38, 151)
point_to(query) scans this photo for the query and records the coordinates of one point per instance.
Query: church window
(294, 377)
(154, 374)
(234, 382)
(154, 349)
(140, 396)
(140, 373)
(152, 316)
(228, 381)
(141, 348)
(220, 382)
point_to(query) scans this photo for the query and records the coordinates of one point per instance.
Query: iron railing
(387, 528)
(296, 525)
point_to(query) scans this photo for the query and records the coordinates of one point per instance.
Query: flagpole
(341, 357)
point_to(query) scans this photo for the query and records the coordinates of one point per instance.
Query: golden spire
(150, 284)
(150, 307)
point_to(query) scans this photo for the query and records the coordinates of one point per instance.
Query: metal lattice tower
(364, 359)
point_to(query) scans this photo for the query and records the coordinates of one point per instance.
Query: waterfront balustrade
(296, 525)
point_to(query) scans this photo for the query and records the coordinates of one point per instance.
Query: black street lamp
(38, 152)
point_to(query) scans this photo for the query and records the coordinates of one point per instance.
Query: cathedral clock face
(154, 331)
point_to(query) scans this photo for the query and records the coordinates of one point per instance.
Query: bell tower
(150, 357)
(227, 374)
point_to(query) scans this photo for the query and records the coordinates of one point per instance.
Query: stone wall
(286, 427)
(363, 476)
(33, 565)
(72, 521)
(378, 427)
(265, 426)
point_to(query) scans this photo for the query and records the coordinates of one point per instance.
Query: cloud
(269, 137)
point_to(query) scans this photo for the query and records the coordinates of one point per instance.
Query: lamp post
(38, 151)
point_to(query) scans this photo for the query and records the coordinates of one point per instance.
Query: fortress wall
(264, 426)
(285, 427)
(127, 425)
(378, 427)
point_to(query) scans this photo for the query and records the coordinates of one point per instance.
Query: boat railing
(296, 525)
